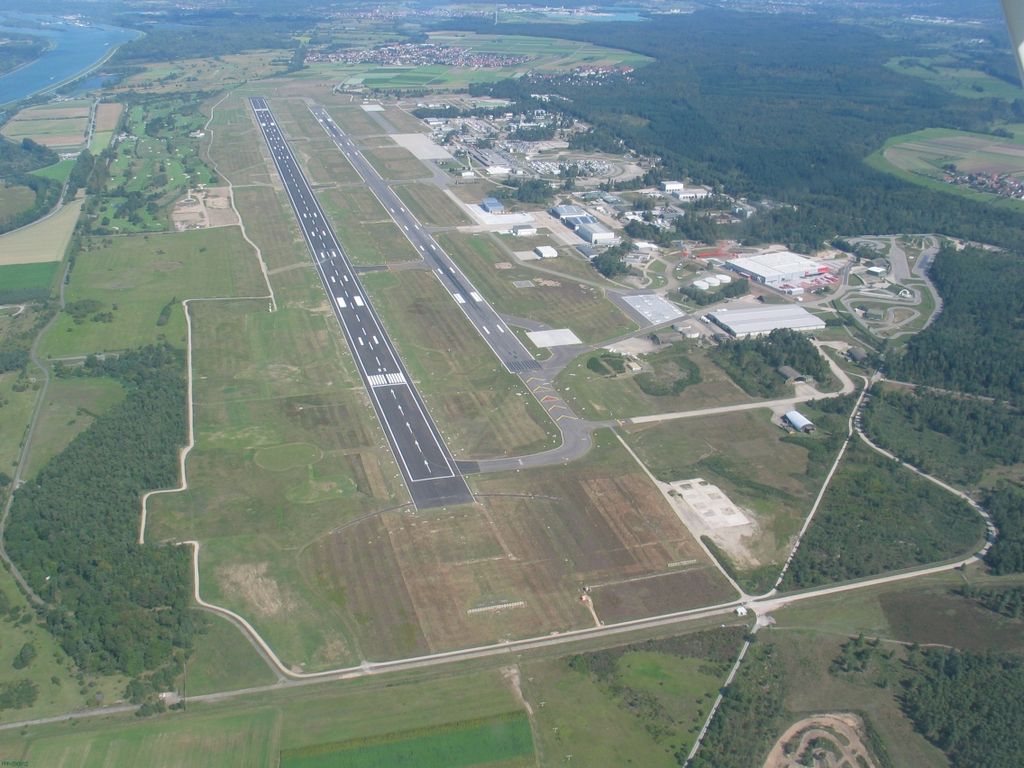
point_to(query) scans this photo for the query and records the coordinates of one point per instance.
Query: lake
(76, 48)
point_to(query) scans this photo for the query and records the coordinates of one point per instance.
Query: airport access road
(426, 464)
(498, 336)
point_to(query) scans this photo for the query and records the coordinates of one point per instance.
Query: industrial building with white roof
(778, 268)
(758, 321)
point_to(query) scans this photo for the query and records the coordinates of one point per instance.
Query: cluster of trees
(16, 162)
(753, 362)
(113, 604)
(750, 716)
(753, 111)
(610, 261)
(1008, 602)
(15, 344)
(954, 438)
(673, 372)
(968, 705)
(534, 191)
(976, 344)
(533, 133)
(1006, 506)
(731, 290)
(80, 173)
(877, 516)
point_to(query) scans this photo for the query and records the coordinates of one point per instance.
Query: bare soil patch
(834, 740)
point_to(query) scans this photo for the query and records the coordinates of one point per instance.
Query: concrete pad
(654, 308)
(372, 107)
(709, 503)
(561, 337)
(421, 146)
(526, 255)
(523, 283)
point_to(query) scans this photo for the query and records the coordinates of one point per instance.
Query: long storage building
(759, 321)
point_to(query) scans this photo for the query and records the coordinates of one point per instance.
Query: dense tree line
(753, 362)
(113, 604)
(1006, 506)
(1007, 602)
(23, 156)
(877, 516)
(976, 344)
(80, 173)
(969, 705)
(748, 106)
(731, 290)
(16, 162)
(954, 438)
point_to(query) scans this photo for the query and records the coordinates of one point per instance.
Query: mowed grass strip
(487, 741)
(396, 163)
(431, 206)
(482, 410)
(364, 228)
(566, 304)
(135, 276)
(44, 240)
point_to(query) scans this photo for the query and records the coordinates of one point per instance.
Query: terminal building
(777, 269)
(760, 321)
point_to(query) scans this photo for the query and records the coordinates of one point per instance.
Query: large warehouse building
(777, 269)
(759, 321)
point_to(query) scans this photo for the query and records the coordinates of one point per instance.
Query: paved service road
(430, 472)
(499, 337)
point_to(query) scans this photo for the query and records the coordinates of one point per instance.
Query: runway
(494, 331)
(430, 472)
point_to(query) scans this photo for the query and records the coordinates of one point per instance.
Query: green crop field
(45, 240)
(27, 277)
(483, 410)
(133, 278)
(504, 741)
(580, 307)
(619, 396)
(71, 405)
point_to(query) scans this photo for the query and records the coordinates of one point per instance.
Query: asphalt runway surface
(494, 331)
(431, 474)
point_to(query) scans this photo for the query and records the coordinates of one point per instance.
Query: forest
(747, 105)
(877, 517)
(976, 345)
(753, 362)
(113, 604)
(969, 705)
(1006, 506)
(954, 438)
(16, 161)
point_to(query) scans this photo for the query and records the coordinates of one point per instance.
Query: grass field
(134, 277)
(392, 162)
(223, 660)
(567, 305)
(45, 240)
(71, 405)
(946, 72)
(364, 228)
(14, 417)
(59, 171)
(482, 410)
(14, 199)
(205, 74)
(598, 396)
(431, 206)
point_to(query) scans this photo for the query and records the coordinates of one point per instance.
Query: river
(75, 48)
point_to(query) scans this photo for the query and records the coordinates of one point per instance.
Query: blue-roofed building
(492, 205)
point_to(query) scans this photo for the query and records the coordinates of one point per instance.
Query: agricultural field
(120, 287)
(431, 205)
(21, 281)
(41, 241)
(919, 157)
(71, 405)
(204, 74)
(482, 410)
(107, 115)
(558, 303)
(544, 55)
(598, 391)
(58, 125)
(275, 728)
